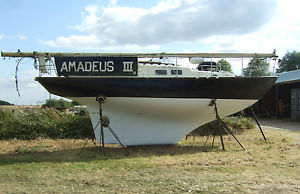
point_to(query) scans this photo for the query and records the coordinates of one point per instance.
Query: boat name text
(96, 66)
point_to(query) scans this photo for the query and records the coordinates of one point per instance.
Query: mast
(140, 55)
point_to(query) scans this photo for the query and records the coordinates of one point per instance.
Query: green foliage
(224, 65)
(75, 103)
(47, 123)
(235, 124)
(289, 62)
(257, 67)
(4, 103)
(57, 104)
(34, 123)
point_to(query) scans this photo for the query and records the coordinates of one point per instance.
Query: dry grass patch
(46, 165)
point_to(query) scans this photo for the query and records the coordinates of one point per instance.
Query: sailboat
(148, 100)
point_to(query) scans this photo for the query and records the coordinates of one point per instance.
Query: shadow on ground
(96, 153)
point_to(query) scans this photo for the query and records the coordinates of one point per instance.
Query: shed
(283, 100)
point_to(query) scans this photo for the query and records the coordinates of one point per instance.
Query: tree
(224, 65)
(75, 103)
(257, 67)
(2, 102)
(57, 104)
(289, 62)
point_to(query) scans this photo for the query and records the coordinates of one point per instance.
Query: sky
(138, 26)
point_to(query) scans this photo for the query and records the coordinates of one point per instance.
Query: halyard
(55, 166)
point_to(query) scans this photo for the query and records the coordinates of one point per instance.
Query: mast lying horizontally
(140, 55)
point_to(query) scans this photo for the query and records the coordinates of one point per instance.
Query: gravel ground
(281, 124)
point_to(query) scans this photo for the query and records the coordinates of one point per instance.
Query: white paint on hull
(148, 121)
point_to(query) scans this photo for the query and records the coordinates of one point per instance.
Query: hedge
(48, 123)
(235, 124)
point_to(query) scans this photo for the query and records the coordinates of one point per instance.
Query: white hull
(148, 121)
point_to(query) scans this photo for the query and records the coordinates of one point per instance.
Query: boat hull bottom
(150, 121)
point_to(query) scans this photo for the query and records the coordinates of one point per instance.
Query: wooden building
(283, 100)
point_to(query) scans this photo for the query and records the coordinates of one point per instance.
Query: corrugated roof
(288, 77)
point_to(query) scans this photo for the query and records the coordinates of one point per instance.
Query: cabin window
(161, 72)
(176, 72)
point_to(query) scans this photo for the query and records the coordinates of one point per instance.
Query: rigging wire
(16, 75)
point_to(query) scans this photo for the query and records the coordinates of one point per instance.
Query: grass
(55, 166)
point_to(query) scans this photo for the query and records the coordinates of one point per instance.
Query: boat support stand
(222, 126)
(104, 124)
(255, 118)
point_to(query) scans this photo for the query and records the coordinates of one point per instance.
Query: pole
(100, 100)
(35, 54)
(206, 141)
(101, 130)
(261, 131)
(220, 128)
(226, 128)
(223, 147)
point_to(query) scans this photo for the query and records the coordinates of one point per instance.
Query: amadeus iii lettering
(96, 66)
(89, 66)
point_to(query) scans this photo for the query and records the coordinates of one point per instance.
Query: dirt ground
(281, 124)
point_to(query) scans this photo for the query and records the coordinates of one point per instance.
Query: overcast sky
(138, 26)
